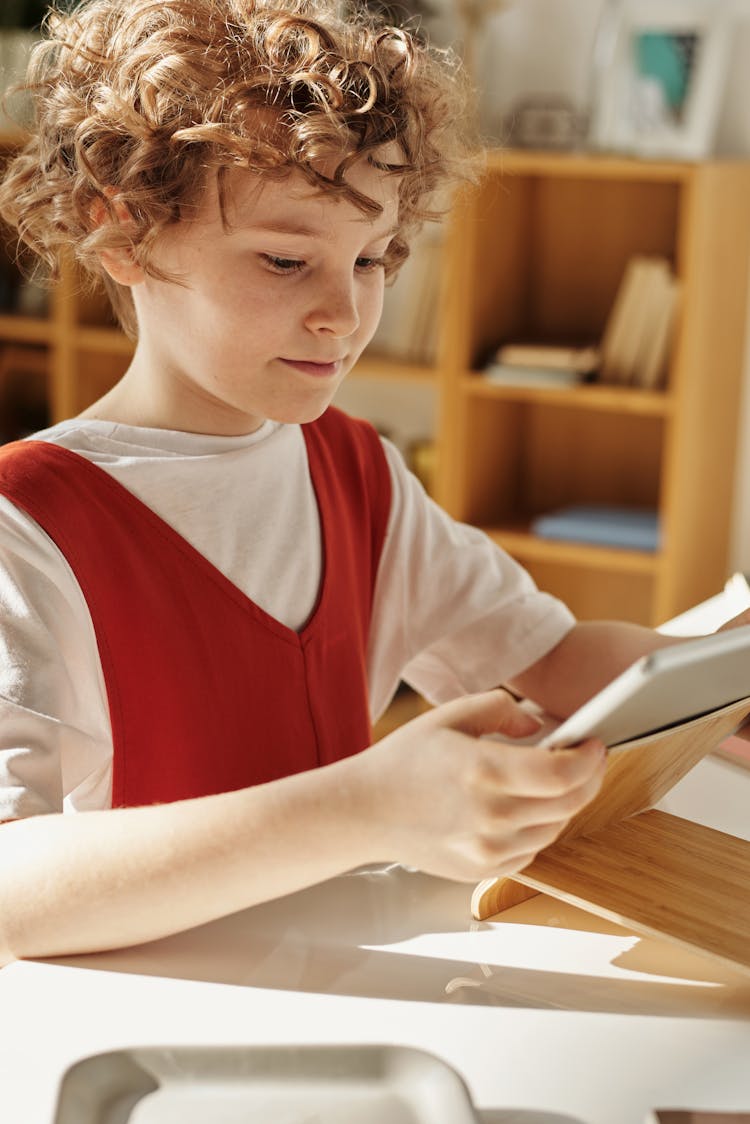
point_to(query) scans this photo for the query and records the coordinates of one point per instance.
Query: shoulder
(48, 446)
(22, 463)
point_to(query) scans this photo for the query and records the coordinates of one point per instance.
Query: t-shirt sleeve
(453, 613)
(53, 731)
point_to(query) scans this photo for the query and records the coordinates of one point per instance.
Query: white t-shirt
(452, 613)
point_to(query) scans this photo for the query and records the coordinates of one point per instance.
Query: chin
(301, 413)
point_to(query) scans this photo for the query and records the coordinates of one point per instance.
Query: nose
(333, 309)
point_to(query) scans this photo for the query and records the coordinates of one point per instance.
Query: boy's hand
(440, 797)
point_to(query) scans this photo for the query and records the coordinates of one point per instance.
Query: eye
(369, 265)
(283, 265)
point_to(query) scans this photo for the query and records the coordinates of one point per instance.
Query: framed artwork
(659, 71)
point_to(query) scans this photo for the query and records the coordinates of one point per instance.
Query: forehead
(247, 199)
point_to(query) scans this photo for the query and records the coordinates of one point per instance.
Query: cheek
(237, 313)
(371, 307)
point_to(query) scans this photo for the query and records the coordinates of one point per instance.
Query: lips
(316, 369)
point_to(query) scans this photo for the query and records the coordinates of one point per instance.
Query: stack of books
(637, 337)
(541, 365)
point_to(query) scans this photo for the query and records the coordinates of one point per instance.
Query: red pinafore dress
(207, 693)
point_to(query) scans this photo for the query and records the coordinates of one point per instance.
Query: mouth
(317, 370)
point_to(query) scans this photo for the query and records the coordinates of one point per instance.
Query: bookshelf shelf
(606, 398)
(526, 546)
(373, 365)
(575, 165)
(536, 254)
(25, 329)
(108, 341)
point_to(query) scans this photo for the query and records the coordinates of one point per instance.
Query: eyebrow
(306, 231)
(286, 228)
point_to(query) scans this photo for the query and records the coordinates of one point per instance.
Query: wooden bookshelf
(537, 253)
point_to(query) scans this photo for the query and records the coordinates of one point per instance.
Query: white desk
(545, 1009)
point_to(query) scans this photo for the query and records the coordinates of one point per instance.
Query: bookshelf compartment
(530, 458)
(22, 297)
(595, 594)
(93, 309)
(24, 390)
(549, 254)
(96, 372)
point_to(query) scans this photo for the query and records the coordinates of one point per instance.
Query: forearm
(97, 880)
(435, 794)
(585, 660)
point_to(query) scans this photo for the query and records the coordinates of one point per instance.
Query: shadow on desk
(397, 934)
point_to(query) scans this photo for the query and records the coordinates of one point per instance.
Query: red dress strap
(208, 693)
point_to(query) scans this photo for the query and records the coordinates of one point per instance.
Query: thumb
(491, 712)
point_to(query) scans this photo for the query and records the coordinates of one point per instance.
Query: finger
(490, 712)
(532, 771)
(499, 856)
(546, 821)
(516, 814)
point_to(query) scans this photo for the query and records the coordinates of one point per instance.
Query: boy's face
(275, 308)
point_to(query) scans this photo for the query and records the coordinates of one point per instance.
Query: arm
(434, 795)
(453, 613)
(590, 655)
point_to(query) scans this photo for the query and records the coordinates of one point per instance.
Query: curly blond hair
(138, 101)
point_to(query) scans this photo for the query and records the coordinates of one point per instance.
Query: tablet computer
(662, 689)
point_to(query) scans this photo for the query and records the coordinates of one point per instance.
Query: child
(211, 579)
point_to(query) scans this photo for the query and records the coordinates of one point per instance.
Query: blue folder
(628, 527)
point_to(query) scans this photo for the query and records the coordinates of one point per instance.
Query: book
(548, 357)
(651, 366)
(637, 335)
(506, 375)
(423, 345)
(620, 324)
(601, 524)
(408, 325)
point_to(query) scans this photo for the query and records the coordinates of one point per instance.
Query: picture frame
(659, 73)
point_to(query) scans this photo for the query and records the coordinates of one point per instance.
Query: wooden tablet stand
(653, 872)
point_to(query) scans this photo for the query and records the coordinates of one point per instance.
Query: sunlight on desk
(546, 953)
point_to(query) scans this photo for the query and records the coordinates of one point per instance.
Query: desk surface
(546, 1008)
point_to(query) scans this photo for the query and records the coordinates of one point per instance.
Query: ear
(121, 268)
(118, 263)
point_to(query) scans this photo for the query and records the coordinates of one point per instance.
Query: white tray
(259, 1085)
